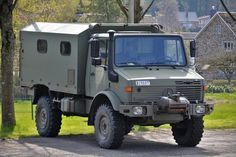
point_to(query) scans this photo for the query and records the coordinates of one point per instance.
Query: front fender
(112, 97)
(101, 98)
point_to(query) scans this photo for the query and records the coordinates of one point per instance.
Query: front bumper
(154, 110)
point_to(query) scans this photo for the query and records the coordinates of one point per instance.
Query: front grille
(192, 90)
(146, 94)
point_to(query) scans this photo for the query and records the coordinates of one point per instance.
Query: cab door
(98, 77)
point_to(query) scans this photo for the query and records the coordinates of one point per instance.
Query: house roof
(231, 23)
(148, 19)
(225, 18)
(204, 17)
(187, 16)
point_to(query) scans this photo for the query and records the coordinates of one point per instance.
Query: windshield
(149, 50)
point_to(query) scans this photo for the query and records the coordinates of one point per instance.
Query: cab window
(103, 51)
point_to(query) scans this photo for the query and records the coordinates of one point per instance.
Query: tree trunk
(81, 3)
(7, 54)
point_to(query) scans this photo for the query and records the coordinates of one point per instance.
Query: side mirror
(192, 49)
(96, 61)
(94, 48)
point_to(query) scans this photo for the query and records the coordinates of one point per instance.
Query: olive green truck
(117, 75)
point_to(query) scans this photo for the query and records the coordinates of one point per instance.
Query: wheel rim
(42, 118)
(103, 127)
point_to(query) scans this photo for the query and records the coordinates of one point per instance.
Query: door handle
(92, 74)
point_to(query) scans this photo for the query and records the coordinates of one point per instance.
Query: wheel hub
(104, 127)
(43, 118)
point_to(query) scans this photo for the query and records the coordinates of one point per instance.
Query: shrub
(220, 89)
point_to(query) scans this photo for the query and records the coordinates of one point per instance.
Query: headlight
(139, 110)
(200, 109)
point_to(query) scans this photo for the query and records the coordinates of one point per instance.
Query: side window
(228, 45)
(65, 48)
(42, 46)
(218, 29)
(103, 51)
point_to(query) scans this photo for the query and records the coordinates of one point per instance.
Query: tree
(225, 63)
(105, 11)
(167, 15)
(227, 10)
(139, 11)
(7, 57)
(27, 12)
(24, 13)
(81, 3)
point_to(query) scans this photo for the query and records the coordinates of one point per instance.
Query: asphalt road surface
(158, 143)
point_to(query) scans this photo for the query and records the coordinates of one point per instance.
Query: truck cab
(132, 74)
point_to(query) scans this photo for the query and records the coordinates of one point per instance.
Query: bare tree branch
(123, 8)
(14, 5)
(227, 10)
(144, 12)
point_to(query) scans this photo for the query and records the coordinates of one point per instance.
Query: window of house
(228, 45)
(218, 29)
(65, 48)
(42, 46)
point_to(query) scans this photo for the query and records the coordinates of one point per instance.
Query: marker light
(128, 89)
(205, 87)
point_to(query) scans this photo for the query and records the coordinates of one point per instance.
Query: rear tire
(188, 133)
(48, 118)
(109, 127)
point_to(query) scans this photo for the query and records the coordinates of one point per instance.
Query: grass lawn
(224, 117)
(25, 126)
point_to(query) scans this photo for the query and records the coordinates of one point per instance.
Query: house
(203, 20)
(149, 19)
(188, 20)
(216, 39)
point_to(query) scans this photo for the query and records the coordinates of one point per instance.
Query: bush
(220, 89)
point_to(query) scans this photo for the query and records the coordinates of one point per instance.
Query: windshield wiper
(133, 64)
(129, 63)
(158, 64)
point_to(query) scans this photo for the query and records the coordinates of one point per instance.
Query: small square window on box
(65, 48)
(42, 46)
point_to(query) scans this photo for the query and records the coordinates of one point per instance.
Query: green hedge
(220, 89)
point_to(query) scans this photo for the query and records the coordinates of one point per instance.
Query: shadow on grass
(6, 132)
(22, 137)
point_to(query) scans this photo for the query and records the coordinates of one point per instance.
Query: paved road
(158, 143)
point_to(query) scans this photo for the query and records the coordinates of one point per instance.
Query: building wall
(203, 21)
(210, 43)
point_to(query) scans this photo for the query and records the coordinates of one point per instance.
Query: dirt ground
(145, 144)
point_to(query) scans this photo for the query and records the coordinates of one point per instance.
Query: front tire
(128, 127)
(188, 133)
(109, 127)
(48, 118)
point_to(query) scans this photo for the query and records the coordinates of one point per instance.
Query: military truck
(117, 75)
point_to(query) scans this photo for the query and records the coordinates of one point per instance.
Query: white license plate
(142, 83)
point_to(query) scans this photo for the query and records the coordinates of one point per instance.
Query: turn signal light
(205, 88)
(128, 89)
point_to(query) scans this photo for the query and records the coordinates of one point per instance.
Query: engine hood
(133, 74)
